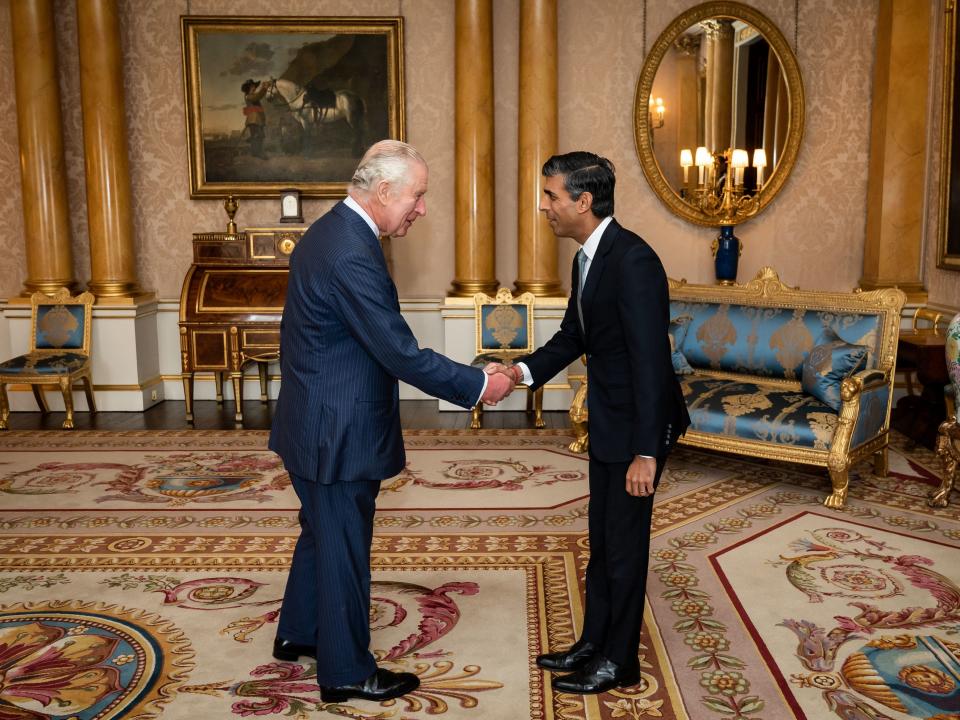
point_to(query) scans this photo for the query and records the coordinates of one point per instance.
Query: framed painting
(948, 254)
(278, 103)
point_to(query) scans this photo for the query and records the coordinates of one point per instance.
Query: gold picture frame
(643, 126)
(948, 246)
(278, 103)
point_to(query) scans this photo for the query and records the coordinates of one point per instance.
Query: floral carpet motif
(141, 576)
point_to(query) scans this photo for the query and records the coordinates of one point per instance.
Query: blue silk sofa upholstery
(747, 345)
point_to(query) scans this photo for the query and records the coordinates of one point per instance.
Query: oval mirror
(721, 87)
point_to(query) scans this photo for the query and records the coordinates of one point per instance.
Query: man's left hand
(640, 476)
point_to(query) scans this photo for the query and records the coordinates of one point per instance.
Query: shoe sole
(621, 684)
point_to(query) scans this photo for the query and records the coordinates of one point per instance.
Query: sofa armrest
(862, 381)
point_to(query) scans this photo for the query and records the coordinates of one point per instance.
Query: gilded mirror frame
(641, 116)
(948, 258)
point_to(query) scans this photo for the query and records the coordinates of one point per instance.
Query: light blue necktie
(581, 277)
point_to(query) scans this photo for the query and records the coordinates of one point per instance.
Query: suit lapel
(595, 272)
(364, 232)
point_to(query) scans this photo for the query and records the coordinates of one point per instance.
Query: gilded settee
(747, 345)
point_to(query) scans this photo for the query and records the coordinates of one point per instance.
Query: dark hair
(247, 84)
(585, 172)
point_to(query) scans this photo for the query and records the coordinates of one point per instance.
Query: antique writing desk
(918, 416)
(231, 305)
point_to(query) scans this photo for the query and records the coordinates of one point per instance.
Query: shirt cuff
(527, 378)
(648, 457)
(483, 390)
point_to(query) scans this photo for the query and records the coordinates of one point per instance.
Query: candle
(686, 160)
(702, 160)
(759, 162)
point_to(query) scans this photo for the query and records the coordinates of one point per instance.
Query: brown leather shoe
(573, 659)
(381, 685)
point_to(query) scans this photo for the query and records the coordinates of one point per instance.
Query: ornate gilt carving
(643, 135)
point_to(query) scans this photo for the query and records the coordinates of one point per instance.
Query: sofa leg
(476, 416)
(840, 480)
(881, 463)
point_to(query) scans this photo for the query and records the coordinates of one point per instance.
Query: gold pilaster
(474, 193)
(109, 202)
(46, 213)
(537, 245)
(893, 251)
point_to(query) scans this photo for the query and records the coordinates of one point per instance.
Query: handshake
(501, 380)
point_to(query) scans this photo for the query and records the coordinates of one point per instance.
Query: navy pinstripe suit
(343, 346)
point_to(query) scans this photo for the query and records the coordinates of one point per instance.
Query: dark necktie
(581, 267)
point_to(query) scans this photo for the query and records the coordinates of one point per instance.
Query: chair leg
(840, 479)
(538, 421)
(38, 396)
(476, 417)
(4, 407)
(262, 369)
(881, 462)
(88, 391)
(218, 379)
(67, 392)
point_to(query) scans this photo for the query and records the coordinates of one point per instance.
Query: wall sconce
(657, 111)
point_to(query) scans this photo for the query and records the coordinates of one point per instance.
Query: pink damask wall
(813, 233)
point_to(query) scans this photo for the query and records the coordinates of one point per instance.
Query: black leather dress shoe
(291, 651)
(573, 659)
(381, 685)
(597, 676)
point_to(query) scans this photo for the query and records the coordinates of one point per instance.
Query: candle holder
(231, 205)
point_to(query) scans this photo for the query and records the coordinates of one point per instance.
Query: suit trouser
(616, 578)
(327, 600)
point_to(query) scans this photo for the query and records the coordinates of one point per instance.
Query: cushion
(830, 361)
(44, 364)
(679, 325)
(758, 411)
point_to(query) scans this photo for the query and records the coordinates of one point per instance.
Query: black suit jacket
(635, 402)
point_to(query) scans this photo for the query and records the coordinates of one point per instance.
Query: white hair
(385, 161)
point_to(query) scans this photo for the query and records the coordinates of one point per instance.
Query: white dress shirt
(355, 206)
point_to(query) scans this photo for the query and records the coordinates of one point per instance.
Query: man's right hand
(499, 386)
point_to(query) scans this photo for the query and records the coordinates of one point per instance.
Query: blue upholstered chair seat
(43, 363)
(758, 411)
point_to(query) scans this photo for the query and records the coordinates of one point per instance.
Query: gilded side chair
(59, 352)
(504, 332)
(948, 438)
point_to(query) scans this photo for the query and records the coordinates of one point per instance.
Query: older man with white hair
(343, 347)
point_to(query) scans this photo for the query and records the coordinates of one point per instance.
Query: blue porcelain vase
(726, 255)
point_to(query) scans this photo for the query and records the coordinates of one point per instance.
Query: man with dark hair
(618, 315)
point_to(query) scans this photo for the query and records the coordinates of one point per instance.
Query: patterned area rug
(141, 575)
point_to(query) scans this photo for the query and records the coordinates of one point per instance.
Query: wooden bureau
(231, 305)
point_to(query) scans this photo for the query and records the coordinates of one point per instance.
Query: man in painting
(255, 119)
(343, 346)
(617, 315)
